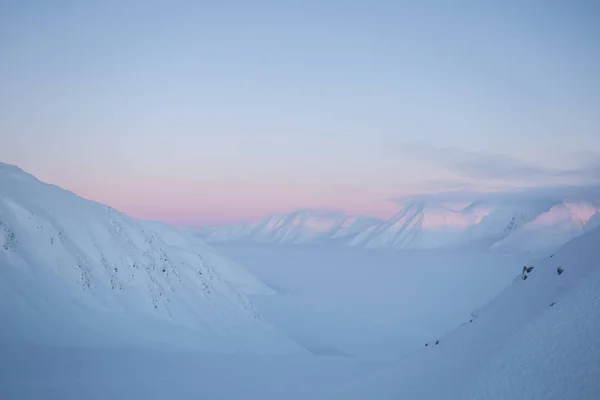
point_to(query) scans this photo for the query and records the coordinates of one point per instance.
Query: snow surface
(551, 229)
(370, 303)
(72, 373)
(556, 356)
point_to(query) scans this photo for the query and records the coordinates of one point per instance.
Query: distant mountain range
(520, 227)
(298, 227)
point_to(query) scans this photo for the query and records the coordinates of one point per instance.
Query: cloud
(589, 193)
(497, 177)
(484, 167)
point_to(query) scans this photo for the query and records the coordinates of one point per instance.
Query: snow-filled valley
(432, 303)
(370, 303)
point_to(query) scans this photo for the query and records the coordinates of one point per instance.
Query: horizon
(582, 204)
(178, 112)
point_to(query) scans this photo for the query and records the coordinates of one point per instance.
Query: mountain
(536, 340)
(298, 227)
(549, 230)
(417, 226)
(535, 227)
(73, 271)
(499, 220)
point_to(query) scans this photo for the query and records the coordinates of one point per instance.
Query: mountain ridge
(418, 226)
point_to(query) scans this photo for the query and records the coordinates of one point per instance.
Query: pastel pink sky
(186, 203)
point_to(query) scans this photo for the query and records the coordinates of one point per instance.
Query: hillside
(536, 340)
(77, 272)
(551, 229)
(418, 226)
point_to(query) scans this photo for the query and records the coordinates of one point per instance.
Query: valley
(95, 302)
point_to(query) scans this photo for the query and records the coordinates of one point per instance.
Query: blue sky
(195, 112)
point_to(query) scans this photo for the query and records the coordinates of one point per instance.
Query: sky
(196, 112)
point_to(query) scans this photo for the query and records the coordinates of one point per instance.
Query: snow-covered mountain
(74, 271)
(499, 220)
(416, 226)
(536, 340)
(551, 229)
(298, 227)
(533, 227)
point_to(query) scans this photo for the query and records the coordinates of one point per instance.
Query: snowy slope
(418, 226)
(430, 226)
(77, 272)
(298, 227)
(549, 230)
(525, 344)
(499, 220)
(556, 356)
(186, 241)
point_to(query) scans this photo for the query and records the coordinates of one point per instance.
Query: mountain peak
(12, 169)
